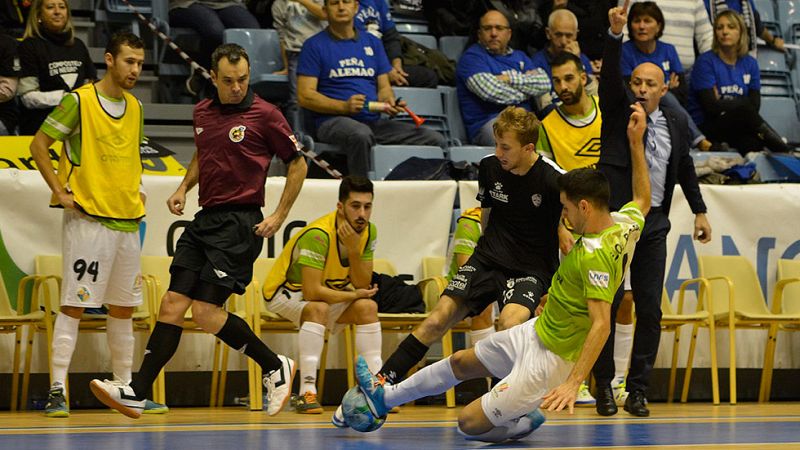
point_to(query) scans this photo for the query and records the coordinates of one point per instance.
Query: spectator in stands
(9, 67)
(686, 26)
(374, 16)
(562, 36)
(526, 18)
(208, 18)
(321, 280)
(726, 85)
(645, 27)
(752, 21)
(452, 17)
(52, 62)
(295, 21)
(342, 76)
(593, 23)
(491, 76)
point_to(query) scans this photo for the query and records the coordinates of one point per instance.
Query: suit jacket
(615, 155)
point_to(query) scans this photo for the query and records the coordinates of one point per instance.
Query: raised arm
(637, 124)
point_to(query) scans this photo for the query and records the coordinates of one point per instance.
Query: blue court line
(436, 438)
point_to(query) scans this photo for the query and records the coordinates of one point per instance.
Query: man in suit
(667, 154)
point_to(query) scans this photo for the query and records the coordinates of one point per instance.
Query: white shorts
(527, 370)
(100, 265)
(289, 305)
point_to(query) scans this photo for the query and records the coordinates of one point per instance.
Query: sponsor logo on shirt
(83, 294)
(458, 282)
(599, 279)
(665, 66)
(734, 89)
(536, 199)
(220, 274)
(368, 51)
(312, 255)
(498, 194)
(352, 67)
(198, 130)
(237, 133)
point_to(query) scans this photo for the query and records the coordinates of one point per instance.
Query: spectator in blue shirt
(752, 21)
(562, 36)
(491, 76)
(726, 86)
(645, 28)
(342, 76)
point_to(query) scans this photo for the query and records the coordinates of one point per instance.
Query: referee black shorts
(478, 284)
(215, 254)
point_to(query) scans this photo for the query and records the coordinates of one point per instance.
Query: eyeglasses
(489, 28)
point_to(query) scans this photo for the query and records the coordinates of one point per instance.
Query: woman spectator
(52, 62)
(751, 18)
(726, 87)
(645, 27)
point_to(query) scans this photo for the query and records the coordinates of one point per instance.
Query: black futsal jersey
(522, 233)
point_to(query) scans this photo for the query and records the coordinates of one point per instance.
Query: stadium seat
(428, 104)
(776, 84)
(386, 157)
(425, 40)
(168, 62)
(785, 301)
(788, 15)
(453, 46)
(771, 60)
(768, 13)
(412, 28)
(781, 114)
(264, 49)
(118, 11)
(469, 153)
(453, 112)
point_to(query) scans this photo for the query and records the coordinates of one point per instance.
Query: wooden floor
(695, 426)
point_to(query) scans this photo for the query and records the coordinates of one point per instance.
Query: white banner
(29, 227)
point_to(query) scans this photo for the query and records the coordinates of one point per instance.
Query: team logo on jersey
(220, 273)
(665, 66)
(536, 199)
(237, 133)
(198, 130)
(368, 51)
(746, 78)
(83, 294)
(599, 279)
(497, 193)
(591, 149)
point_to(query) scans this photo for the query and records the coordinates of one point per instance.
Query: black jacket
(615, 155)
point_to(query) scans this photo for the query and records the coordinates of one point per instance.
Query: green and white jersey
(593, 269)
(64, 124)
(312, 251)
(465, 238)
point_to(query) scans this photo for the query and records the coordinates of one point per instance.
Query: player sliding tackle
(543, 361)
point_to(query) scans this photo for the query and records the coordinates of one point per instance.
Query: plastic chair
(781, 114)
(453, 46)
(425, 40)
(767, 10)
(386, 157)
(469, 153)
(263, 47)
(785, 302)
(412, 28)
(672, 321)
(771, 60)
(428, 104)
(433, 266)
(169, 64)
(453, 112)
(776, 84)
(741, 305)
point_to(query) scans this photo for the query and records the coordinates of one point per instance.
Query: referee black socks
(161, 346)
(408, 353)
(241, 338)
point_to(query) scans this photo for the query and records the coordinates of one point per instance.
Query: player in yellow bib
(98, 186)
(321, 281)
(543, 361)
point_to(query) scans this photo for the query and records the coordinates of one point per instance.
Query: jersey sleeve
(64, 118)
(632, 214)
(369, 250)
(381, 59)
(703, 73)
(600, 273)
(466, 236)
(282, 141)
(483, 184)
(309, 63)
(313, 249)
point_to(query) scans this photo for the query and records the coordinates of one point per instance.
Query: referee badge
(237, 133)
(536, 199)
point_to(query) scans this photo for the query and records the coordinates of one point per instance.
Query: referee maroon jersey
(235, 144)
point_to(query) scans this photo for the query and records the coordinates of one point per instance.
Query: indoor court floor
(690, 426)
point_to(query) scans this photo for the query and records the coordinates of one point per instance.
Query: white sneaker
(618, 388)
(337, 419)
(584, 397)
(119, 396)
(279, 385)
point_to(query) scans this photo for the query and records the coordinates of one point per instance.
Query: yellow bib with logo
(335, 275)
(573, 146)
(106, 182)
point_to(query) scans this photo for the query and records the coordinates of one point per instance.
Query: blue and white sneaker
(337, 419)
(537, 419)
(151, 407)
(372, 386)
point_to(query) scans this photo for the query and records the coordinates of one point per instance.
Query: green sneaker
(151, 407)
(308, 404)
(56, 403)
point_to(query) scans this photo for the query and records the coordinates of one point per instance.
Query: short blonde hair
(520, 121)
(34, 25)
(743, 45)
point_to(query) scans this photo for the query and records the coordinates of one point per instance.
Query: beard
(573, 98)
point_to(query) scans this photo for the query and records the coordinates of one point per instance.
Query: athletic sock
(65, 334)
(238, 335)
(476, 336)
(311, 339)
(408, 353)
(623, 341)
(161, 346)
(119, 334)
(502, 432)
(430, 380)
(369, 340)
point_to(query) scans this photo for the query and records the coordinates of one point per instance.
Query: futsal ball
(357, 412)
